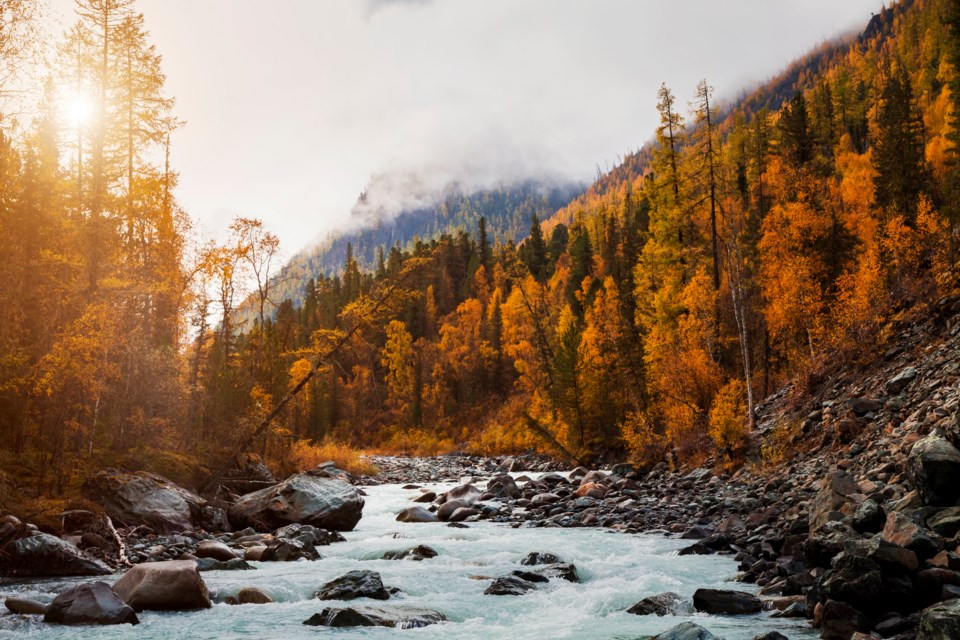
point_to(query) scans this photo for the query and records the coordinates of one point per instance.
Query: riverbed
(616, 571)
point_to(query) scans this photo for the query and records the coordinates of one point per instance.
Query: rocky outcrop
(46, 555)
(369, 616)
(304, 498)
(143, 498)
(934, 469)
(173, 585)
(353, 585)
(93, 603)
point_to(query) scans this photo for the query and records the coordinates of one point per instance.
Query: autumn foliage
(744, 247)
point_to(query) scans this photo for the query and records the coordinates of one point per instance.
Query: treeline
(648, 318)
(742, 250)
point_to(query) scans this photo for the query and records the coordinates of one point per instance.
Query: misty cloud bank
(294, 109)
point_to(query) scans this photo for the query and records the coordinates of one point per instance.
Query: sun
(77, 109)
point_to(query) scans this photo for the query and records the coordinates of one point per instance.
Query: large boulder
(934, 469)
(940, 622)
(840, 621)
(46, 555)
(835, 488)
(902, 531)
(855, 580)
(302, 498)
(369, 616)
(146, 498)
(93, 603)
(725, 601)
(352, 585)
(172, 585)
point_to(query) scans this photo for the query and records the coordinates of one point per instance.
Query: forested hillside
(745, 248)
(506, 212)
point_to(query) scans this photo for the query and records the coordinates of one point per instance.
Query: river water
(616, 571)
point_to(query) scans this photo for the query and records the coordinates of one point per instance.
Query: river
(616, 571)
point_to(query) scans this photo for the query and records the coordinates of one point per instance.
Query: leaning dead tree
(361, 312)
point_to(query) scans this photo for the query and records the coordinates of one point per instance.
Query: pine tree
(796, 138)
(899, 158)
(535, 250)
(669, 139)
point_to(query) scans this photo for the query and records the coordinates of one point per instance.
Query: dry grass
(304, 455)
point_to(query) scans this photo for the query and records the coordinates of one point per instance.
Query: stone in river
(725, 601)
(661, 604)
(172, 585)
(92, 603)
(370, 616)
(416, 514)
(327, 503)
(352, 585)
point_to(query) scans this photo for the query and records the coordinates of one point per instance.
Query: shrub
(304, 455)
(728, 418)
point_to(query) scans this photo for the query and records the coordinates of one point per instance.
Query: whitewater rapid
(616, 571)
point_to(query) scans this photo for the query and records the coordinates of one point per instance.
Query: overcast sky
(291, 105)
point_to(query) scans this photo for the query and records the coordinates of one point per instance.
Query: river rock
(370, 616)
(288, 550)
(504, 486)
(509, 586)
(725, 601)
(146, 498)
(420, 552)
(45, 555)
(172, 585)
(448, 508)
(467, 494)
(934, 469)
(940, 622)
(253, 595)
(23, 606)
(560, 570)
(303, 498)
(661, 604)
(352, 585)
(416, 514)
(462, 514)
(214, 549)
(686, 631)
(535, 557)
(93, 603)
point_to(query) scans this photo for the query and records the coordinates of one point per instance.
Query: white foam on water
(616, 570)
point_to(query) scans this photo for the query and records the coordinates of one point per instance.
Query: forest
(748, 246)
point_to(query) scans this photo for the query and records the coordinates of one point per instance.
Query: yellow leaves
(397, 357)
(728, 417)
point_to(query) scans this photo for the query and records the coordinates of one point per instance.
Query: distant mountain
(506, 208)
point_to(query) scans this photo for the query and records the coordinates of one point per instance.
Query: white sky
(291, 105)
